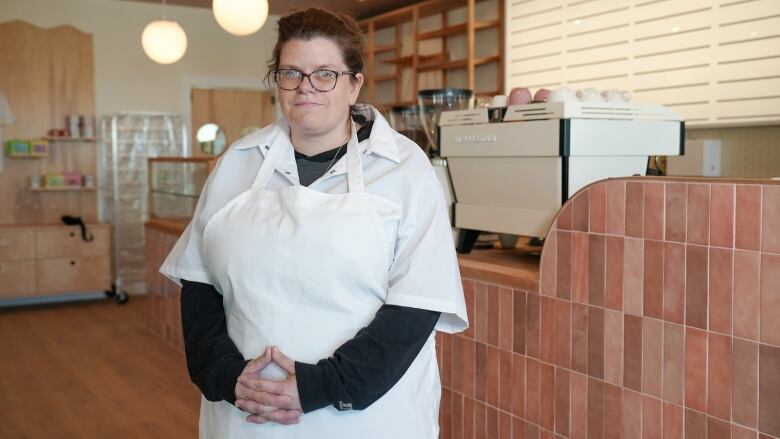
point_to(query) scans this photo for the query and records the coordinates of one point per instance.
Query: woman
(321, 250)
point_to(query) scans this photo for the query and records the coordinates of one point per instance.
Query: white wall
(714, 61)
(125, 79)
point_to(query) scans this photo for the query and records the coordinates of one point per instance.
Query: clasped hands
(266, 400)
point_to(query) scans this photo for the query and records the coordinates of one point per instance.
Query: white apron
(305, 271)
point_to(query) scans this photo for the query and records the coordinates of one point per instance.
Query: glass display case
(175, 184)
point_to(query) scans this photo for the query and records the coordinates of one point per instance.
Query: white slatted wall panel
(717, 62)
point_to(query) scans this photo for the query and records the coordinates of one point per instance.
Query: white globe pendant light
(164, 41)
(240, 17)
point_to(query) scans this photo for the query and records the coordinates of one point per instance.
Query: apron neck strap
(269, 164)
(354, 164)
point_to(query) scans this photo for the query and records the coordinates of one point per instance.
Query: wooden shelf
(70, 139)
(486, 60)
(486, 24)
(174, 193)
(386, 47)
(62, 189)
(488, 93)
(456, 29)
(28, 156)
(458, 64)
(408, 60)
(382, 78)
(404, 60)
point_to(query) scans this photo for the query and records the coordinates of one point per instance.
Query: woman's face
(310, 111)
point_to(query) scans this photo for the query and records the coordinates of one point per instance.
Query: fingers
(264, 398)
(283, 360)
(277, 387)
(284, 417)
(252, 407)
(260, 362)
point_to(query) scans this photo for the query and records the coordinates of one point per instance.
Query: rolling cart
(127, 140)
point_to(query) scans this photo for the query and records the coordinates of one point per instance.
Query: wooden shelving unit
(433, 44)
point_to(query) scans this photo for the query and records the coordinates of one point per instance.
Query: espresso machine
(512, 175)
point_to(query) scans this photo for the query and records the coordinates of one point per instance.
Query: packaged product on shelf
(18, 148)
(87, 126)
(56, 132)
(72, 122)
(39, 147)
(53, 180)
(71, 178)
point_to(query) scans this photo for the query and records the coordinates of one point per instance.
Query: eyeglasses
(320, 80)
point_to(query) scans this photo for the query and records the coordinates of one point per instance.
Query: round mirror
(211, 139)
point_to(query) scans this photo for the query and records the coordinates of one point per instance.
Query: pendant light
(164, 41)
(240, 17)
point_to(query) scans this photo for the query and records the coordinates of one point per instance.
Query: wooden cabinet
(434, 44)
(74, 274)
(17, 278)
(52, 260)
(17, 245)
(67, 242)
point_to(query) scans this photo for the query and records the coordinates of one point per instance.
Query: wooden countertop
(171, 226)
(515, 268)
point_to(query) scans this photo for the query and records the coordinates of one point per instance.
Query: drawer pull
(72, 262)
(72, 234)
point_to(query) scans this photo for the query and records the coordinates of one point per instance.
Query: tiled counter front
(658, 316)
(485, 392)
(163, 316)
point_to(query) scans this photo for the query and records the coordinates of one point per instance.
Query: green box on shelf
(53, 180)
(18, 148)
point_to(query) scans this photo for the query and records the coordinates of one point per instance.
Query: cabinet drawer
(85, 273)
(17, 245)
(66, 242)
(17, 278)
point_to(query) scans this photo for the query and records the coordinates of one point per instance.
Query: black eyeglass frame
(308, 76)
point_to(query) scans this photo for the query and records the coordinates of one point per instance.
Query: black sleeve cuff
(312, 387)
(229, 379)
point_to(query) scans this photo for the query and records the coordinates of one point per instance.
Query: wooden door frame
(214, 82)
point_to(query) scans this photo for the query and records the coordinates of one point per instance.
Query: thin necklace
(337, 154)
(333, 159)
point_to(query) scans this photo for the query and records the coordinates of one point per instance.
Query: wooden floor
(91, 370)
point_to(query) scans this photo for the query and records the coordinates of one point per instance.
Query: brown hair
(318, 23)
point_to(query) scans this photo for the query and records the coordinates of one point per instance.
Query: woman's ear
(356, 83)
